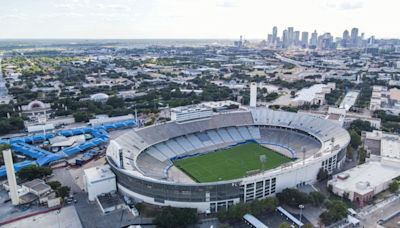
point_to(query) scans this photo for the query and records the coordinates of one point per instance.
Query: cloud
(226, 4)
(345, 4)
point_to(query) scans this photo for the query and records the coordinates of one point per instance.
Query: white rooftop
(390, 146)
(308, 94)
(99, 173)
(364, 178)
(349, 100)
(106, 119)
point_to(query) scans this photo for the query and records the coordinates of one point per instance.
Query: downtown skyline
(219, 19)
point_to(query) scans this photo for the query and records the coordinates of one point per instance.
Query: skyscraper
(285, 41)
(304, 39)
(314, 39)
(296, 38)
(270, 39)
(346, 35)
(274, 34)
(345, 38)
(354, 37)
(290, 35)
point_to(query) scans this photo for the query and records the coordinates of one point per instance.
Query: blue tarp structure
(17, 167)
(29, 150)
(43, 157)
(48, 159)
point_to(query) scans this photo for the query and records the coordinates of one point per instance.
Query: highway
(371, 215)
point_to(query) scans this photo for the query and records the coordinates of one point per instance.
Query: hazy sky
(193, 18)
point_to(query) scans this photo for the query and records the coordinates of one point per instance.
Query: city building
(37, 111)
(361, 183)
(99, 180)
(99, 97)
(304, 39)
(315, 95)
(384, 99)
(101, 120)
(354, 37)
(314, 39)
(349, 100)
(191, 112)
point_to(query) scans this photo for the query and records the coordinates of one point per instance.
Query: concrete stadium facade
(141, 158)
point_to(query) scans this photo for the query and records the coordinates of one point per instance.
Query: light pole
(301, 206)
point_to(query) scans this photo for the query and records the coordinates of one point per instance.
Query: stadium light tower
(301, 206)
(263, 160)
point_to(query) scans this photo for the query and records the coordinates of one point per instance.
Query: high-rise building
(274, 34)
(270, 39)
(290, 35)
(296, 38)
(354, 37)
(304, 39)
(346, 35)
(314, 39)
(326, 41)
(345, 38)
(285, 38)
(371, 40)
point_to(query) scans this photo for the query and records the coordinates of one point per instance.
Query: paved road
(3, 87)
(371, 215)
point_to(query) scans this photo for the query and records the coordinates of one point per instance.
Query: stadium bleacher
(173, 140)
(197, 144)
(214, 136)
(224, 135)
(235, 135)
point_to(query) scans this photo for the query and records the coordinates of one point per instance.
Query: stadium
(214, 162)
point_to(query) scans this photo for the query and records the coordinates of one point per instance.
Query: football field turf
(227, 164)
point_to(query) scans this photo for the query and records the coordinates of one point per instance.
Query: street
(369, 216)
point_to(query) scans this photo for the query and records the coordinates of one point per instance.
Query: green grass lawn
(230, 163)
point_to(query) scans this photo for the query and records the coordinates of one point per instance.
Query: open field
(230, 163)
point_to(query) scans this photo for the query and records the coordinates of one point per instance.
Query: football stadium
(215, 161)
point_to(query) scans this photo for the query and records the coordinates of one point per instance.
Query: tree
(337, 210)
(4, 147)
(362, 156)
(285, 225)
(345, 195)
(316, 198)
(394, 186)
(116, 102)
(360, 125)
(355, 139)
(350, 152)
(34, 172)
(322, 174)
(257, 207)
(171, 217)
(62, 192)
(292, 197)
(82, 116)
(54, 184)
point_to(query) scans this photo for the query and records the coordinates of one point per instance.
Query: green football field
(230, 163)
